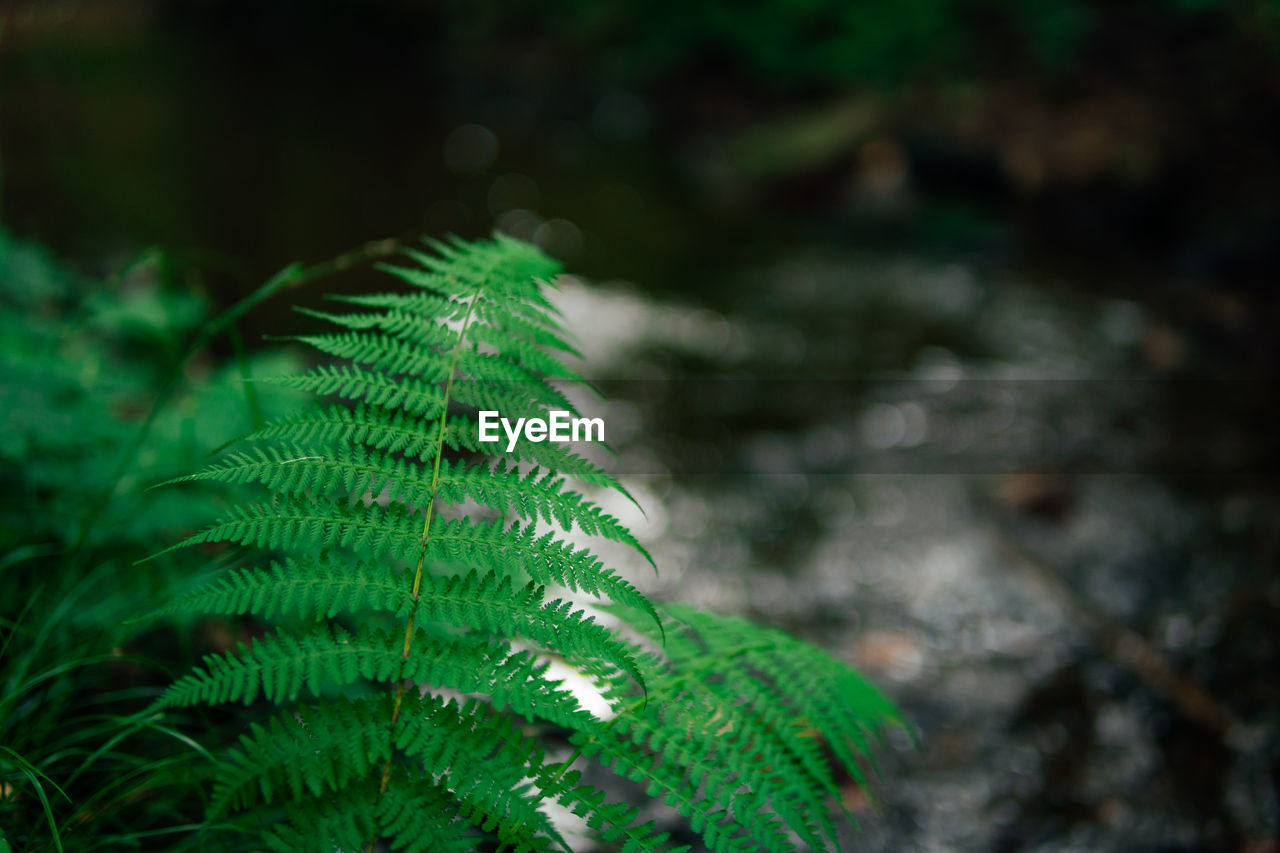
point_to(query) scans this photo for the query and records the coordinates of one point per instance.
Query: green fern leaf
(355, 383)
(381, 504)
(318, 589)
(489, 602)
(380, 352)
(394, 432)
(503, 549)
(534, 495)
(486, 760)
(293, 523)
(308, 750)
(407, 331)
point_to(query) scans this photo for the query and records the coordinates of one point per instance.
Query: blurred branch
(807, 141)
(1127, 647)
(242, 362)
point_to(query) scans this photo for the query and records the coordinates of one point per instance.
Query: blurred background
(941, 333)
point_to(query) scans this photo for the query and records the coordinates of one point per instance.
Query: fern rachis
(394, 598)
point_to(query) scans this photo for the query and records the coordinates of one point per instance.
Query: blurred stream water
(1024, 449)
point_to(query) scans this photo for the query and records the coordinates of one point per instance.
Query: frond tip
(409, 564)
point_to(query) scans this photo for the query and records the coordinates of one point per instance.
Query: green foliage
(82, 767)
(81, 363)
(423, 596)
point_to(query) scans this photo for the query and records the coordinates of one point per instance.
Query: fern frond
(511, 679)
(294, 523)
(349, 472)
(487, 761)
(615, 822)
(538, 494)
(319, 589)
(482, 758)
(508, 550)
(751, 706)
(434, 305)
(683, 760)
(422, 815)
(411, 330)
(382, 502)
(419, 815)
(394, 432)
(525, 353)
(489, 602)
(380, 352)
(327, 823)
(281, 666)
(504, 271)
(355, 383)
(306, 750)
(784, 672)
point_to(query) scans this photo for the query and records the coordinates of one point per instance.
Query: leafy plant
(82, 767)
(416, 612)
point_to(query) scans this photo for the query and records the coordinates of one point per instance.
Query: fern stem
(435, 482)
(426, 534)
